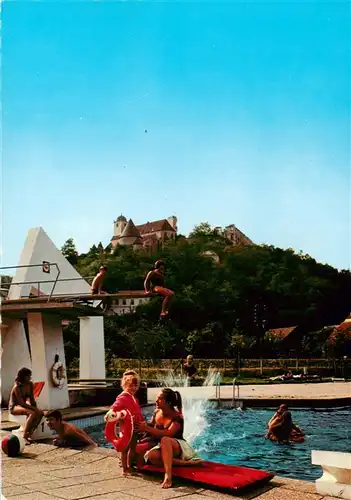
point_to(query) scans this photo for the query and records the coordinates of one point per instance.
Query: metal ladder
(235, 399)
(218, 388)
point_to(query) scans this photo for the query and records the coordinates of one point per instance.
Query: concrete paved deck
(326, 391)
(46, 472)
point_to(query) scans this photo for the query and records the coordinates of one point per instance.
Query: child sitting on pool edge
(130, 384)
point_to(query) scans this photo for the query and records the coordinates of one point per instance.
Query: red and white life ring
(58, 374)
(122, 439)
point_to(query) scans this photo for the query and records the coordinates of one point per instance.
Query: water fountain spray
(194, 407)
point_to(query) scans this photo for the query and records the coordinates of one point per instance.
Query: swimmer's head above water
(53, 419)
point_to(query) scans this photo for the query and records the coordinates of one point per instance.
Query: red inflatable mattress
(229, 477)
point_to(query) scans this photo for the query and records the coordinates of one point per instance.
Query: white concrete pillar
(15, 355)
(46, 340)
(92, 350)
(336, 478)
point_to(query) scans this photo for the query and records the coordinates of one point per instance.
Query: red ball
(11, 445)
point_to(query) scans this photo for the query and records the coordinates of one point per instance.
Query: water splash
(172, 379)
(194, 408)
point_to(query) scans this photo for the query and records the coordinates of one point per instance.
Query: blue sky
(246, 107)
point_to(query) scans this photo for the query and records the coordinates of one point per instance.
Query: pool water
(237, 437)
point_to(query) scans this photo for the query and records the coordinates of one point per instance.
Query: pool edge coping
(268, 403)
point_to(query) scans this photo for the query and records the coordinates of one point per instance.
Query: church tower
(130, 236)
(173, 222)
(119, 226)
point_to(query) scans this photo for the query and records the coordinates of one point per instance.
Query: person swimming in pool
(281, 427)
(69, 435)
(155, 283)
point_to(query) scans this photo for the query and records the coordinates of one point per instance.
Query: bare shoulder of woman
(158, 415)
(16, 388)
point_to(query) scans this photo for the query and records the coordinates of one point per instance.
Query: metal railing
(235, 384)
(37, 283)
(42, 265)
(218, 386)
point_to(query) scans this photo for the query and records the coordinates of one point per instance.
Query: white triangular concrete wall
(37, 248)
(15, 354)
(46, 339)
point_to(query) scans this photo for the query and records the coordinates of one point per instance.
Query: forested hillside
(218, 307)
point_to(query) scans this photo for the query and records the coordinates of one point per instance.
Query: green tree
(314, 343)
(202, 229)
(5, 279)
(71, 340)
(339, 342)
(5, 282)
(252, 289)
(70, 252)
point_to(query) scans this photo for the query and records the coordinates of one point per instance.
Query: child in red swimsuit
(126, 401)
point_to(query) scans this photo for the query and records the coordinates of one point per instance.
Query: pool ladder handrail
(235, 384)
(218, 386)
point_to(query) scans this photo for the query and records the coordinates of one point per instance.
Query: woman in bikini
(155, 283)
(167, 446)
(21, 393)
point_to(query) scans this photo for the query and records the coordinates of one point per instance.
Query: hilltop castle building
(152, 234)
(147, 235)
(234, 234)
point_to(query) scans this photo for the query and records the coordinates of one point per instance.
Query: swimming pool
(237, 438)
